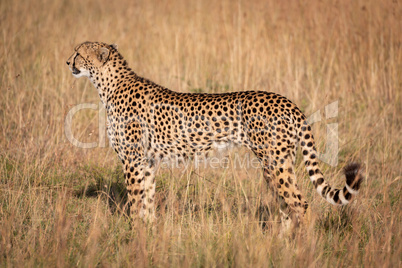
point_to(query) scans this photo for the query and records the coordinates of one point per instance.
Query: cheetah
(148, 123)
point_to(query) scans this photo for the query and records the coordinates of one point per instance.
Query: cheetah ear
(114, 46)
(103, 54)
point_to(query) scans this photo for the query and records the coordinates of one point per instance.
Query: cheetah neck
(109, 78)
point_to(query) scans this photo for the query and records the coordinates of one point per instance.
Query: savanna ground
(60, 205)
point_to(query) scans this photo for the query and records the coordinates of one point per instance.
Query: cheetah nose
(68, 63)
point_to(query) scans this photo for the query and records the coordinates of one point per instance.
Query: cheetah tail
(353, 173)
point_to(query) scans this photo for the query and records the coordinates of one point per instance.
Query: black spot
(336, 196)
(348, 195)
(325, 191)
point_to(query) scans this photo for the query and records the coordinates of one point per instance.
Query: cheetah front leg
(134, 178)
(149, 190)
(139, 171)
(140, 181)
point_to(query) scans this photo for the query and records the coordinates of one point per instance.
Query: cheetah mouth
(75, 71)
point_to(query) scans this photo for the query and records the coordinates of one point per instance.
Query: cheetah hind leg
(282, 181)
(286, 221)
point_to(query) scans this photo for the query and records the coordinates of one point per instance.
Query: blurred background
(58, 201)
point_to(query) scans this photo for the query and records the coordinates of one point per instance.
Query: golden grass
(56, 200)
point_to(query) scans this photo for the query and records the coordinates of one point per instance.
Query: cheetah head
(89, 57)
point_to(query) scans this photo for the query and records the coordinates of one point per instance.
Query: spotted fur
(148, 122)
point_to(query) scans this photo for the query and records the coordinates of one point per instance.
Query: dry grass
(54, 205)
